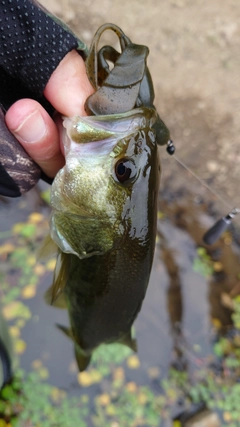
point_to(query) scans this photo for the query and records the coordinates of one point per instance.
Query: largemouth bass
(104, 202)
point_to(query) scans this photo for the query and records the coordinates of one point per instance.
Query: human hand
(40, 135)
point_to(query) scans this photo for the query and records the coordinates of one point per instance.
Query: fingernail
(32, 129)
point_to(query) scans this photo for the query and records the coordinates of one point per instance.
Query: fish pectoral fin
(59, 302)
(129, 341)
(82, 358)
(66, 330)
(54, 295)
(47, 249)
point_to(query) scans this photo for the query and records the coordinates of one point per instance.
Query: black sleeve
(32, 43)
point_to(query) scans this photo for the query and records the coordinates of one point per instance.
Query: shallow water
(176, 326)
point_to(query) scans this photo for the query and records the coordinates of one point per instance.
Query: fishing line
(213, 234)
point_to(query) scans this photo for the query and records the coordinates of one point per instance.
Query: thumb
(69, 87)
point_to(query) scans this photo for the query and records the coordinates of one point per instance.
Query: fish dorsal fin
(129, 341)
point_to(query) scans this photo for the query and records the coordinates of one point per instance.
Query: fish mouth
(100, 133)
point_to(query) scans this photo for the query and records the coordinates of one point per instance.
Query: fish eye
(125, 170)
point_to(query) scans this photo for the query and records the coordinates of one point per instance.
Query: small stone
(229, 30)
(212, 166)
(205, 419)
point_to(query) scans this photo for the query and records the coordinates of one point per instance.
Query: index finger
(69, 87)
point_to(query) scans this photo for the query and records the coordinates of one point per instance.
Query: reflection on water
(186, 309)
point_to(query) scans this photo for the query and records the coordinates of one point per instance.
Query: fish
(104, 212)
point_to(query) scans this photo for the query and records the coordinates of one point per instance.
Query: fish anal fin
(129, 341)
(66, 330)
(82, 358)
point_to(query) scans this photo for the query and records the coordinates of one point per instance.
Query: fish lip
(111, 126)
(112, 118)
(99, 134)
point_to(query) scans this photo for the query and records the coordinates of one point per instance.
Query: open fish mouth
(100, 133)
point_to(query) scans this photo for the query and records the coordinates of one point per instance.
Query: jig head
(170, 147)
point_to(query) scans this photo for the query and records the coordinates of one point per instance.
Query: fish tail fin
(82, 358)
(129, 341)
